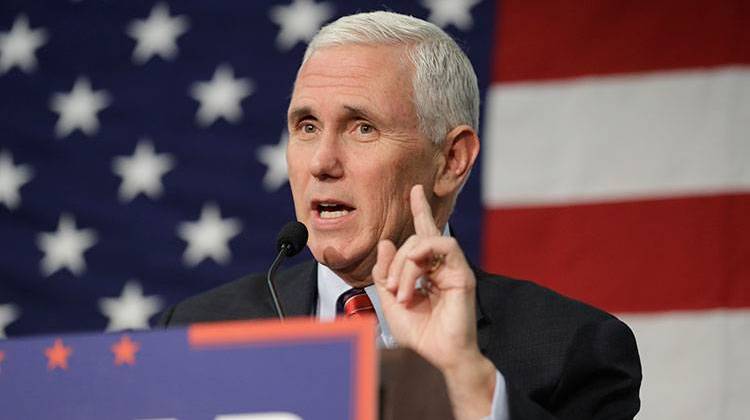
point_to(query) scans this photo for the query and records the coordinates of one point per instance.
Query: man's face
(355, 150)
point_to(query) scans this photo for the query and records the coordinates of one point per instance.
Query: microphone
(292, 238)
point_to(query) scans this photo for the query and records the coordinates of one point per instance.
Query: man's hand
(438, 321)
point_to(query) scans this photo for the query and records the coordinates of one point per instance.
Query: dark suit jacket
(561, 359)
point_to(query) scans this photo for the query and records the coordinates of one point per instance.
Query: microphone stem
(269, 280)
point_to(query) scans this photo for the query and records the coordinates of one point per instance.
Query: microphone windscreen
(294, 234)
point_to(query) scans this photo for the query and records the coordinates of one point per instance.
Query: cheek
(390, 193)
(296, 169)
(294, 160)
(386, 182)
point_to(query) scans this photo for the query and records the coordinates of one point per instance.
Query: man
(382, 136)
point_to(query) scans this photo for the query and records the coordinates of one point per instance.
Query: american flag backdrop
(143, 149)
(142, 161)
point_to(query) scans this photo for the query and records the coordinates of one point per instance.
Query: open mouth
(332, 209)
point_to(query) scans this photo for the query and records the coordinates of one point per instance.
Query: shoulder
(502, 298)
(244, 298)
(536, 336)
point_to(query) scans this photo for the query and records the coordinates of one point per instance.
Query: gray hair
(445, 86)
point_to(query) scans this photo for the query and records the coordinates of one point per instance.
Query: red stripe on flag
(559, 39)
(687, 253)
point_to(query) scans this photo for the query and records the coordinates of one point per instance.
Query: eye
(308, 128)
(365, 128)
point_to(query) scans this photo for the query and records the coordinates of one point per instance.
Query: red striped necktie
(354, 304)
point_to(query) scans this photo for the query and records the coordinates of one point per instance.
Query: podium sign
(267, 370)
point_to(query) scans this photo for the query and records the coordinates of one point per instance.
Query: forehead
(368, 74)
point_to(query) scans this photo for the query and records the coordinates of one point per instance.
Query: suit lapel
(483, 322)
(297, 289)
(483, 333)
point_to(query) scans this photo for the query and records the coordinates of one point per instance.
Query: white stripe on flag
(597, 139)
(696, 365)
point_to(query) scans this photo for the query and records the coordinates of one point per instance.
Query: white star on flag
(12, 178)
(447, 12)
(157, 35)
(299, 21)
(65, 248)
(131, 310)
(142, 172)
(78, 108)
(9, 313)
(209, 236)
(221, 96)
(18, 47)
(274, 157)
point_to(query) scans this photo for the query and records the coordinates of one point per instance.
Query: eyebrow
(299, 113)
(353, 111)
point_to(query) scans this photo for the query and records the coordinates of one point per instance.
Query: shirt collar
(331, 286)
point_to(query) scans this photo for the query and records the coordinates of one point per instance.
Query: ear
(458, 153)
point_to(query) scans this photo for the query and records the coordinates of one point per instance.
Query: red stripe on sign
(559, 39)
(687, 253)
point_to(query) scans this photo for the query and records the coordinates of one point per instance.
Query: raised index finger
(424, 224)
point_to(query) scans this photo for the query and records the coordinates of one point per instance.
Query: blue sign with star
(298, 369)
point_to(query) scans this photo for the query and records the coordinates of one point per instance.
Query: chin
(341, 259)
(335, 257)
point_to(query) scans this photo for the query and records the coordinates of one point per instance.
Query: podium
(243, 370)
(411, 388)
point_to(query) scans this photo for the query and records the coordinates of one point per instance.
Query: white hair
(445, 86)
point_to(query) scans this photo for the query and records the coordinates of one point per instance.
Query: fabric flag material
(142, 161)
(142, 149)
(617, 171)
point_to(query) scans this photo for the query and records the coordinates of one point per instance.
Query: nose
(326, 161)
